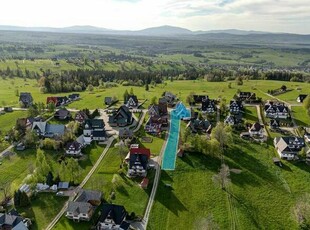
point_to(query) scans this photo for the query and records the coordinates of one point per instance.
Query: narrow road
(64, 208)
(7, 149)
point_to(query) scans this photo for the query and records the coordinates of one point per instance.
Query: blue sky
(265, 15)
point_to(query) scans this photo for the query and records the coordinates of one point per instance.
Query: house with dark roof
(108, 100)
(84, 206)
(42, 128)
(233, 120)
(74, 149)
(112, 217)
(196, 125)
(122, 117)
(256, 130)
(158, 119)
(288, 147)
(198, 98)
(131, 101)
(94, 130)
(57, 100)
(301, 98)
(235, 107)
(74, 97)
(276, 110)
(126, 133)
(208, 106)
(163, 106)
(80, 117)
(246, 96)
(138, 162)
(62, 114)
(274, 123)
(25, 99)
(12, 222)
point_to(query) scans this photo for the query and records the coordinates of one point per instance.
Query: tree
(122, 151)
(30, 138)
(223, 177)
(42, 168)
(33, 111)
(49, 178)
(190, 98)
(131, 91)
(24, 199)
(90, 88)
(6, 189)
(51, 107)
(17, 195)
(125, 96)
(302, 212)
(74, 170)
(239, 81)
(147, 87)
(223, 106)
(222, 134)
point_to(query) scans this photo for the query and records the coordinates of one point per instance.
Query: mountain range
(153, 31)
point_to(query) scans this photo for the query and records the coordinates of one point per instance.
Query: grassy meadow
(262, 196)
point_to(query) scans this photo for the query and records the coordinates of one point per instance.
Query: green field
(300, 116)
(262, 195)
(251, 114)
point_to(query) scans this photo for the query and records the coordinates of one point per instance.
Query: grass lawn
(15, 168)
(128, 193)
(250, 114)
(43, 209)
(258, 192)
(300, 116)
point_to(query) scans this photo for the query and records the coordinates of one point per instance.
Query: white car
(59, 193)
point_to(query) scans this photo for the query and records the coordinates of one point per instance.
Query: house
(288, 147)
(233, 120)
(125, 133)
(276, 110)
(12, 222)
(163, 106)
(199, 125)
(246, 96)
(208, 106)
(80, 116)
(43, 129)
(199, 98)
(74, 149)
(25, 99)
(170, 98)
(122, 117)
(131, 101)
(112, 217)
(153, 125)
(274, 123)
(57, 100)
(62, 114)
(79, 211)
(74, 97)
(256, 130)
(94, 130)
(235, 107)
(158, 118)
(138, 162)
(63, 185)
(84, 206)
(301, 98)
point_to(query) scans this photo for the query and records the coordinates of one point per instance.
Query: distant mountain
(161, 31)
(232, 31)
(164, 31)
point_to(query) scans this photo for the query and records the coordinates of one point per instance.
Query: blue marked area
(170, 152)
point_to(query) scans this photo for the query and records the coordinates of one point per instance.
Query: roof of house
(81, 114)
(133, 97)
(99, 133)
(62, 113)
(125, 132)
(141, 151)
(63, 185)
(89, 195)
(153, 110)
(94, 124)
(108, 100)
(112, 211)
(41, 125)
(122, 114)
(73, 146)
(289, 144)
(139, 155)
(256, 127)
(77, 207)
(10, 220)
(55, 128)
(25, 97)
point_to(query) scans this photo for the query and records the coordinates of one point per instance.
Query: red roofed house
(138, 162)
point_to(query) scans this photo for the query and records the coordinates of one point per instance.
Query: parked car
(277, 161)
(59, 193)
(245, 136)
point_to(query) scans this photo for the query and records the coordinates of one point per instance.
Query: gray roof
(11, 220)
(88, 195)
(63, 185)
(55, 129)
(78, 207)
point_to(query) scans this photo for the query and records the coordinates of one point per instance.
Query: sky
(291, 16)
